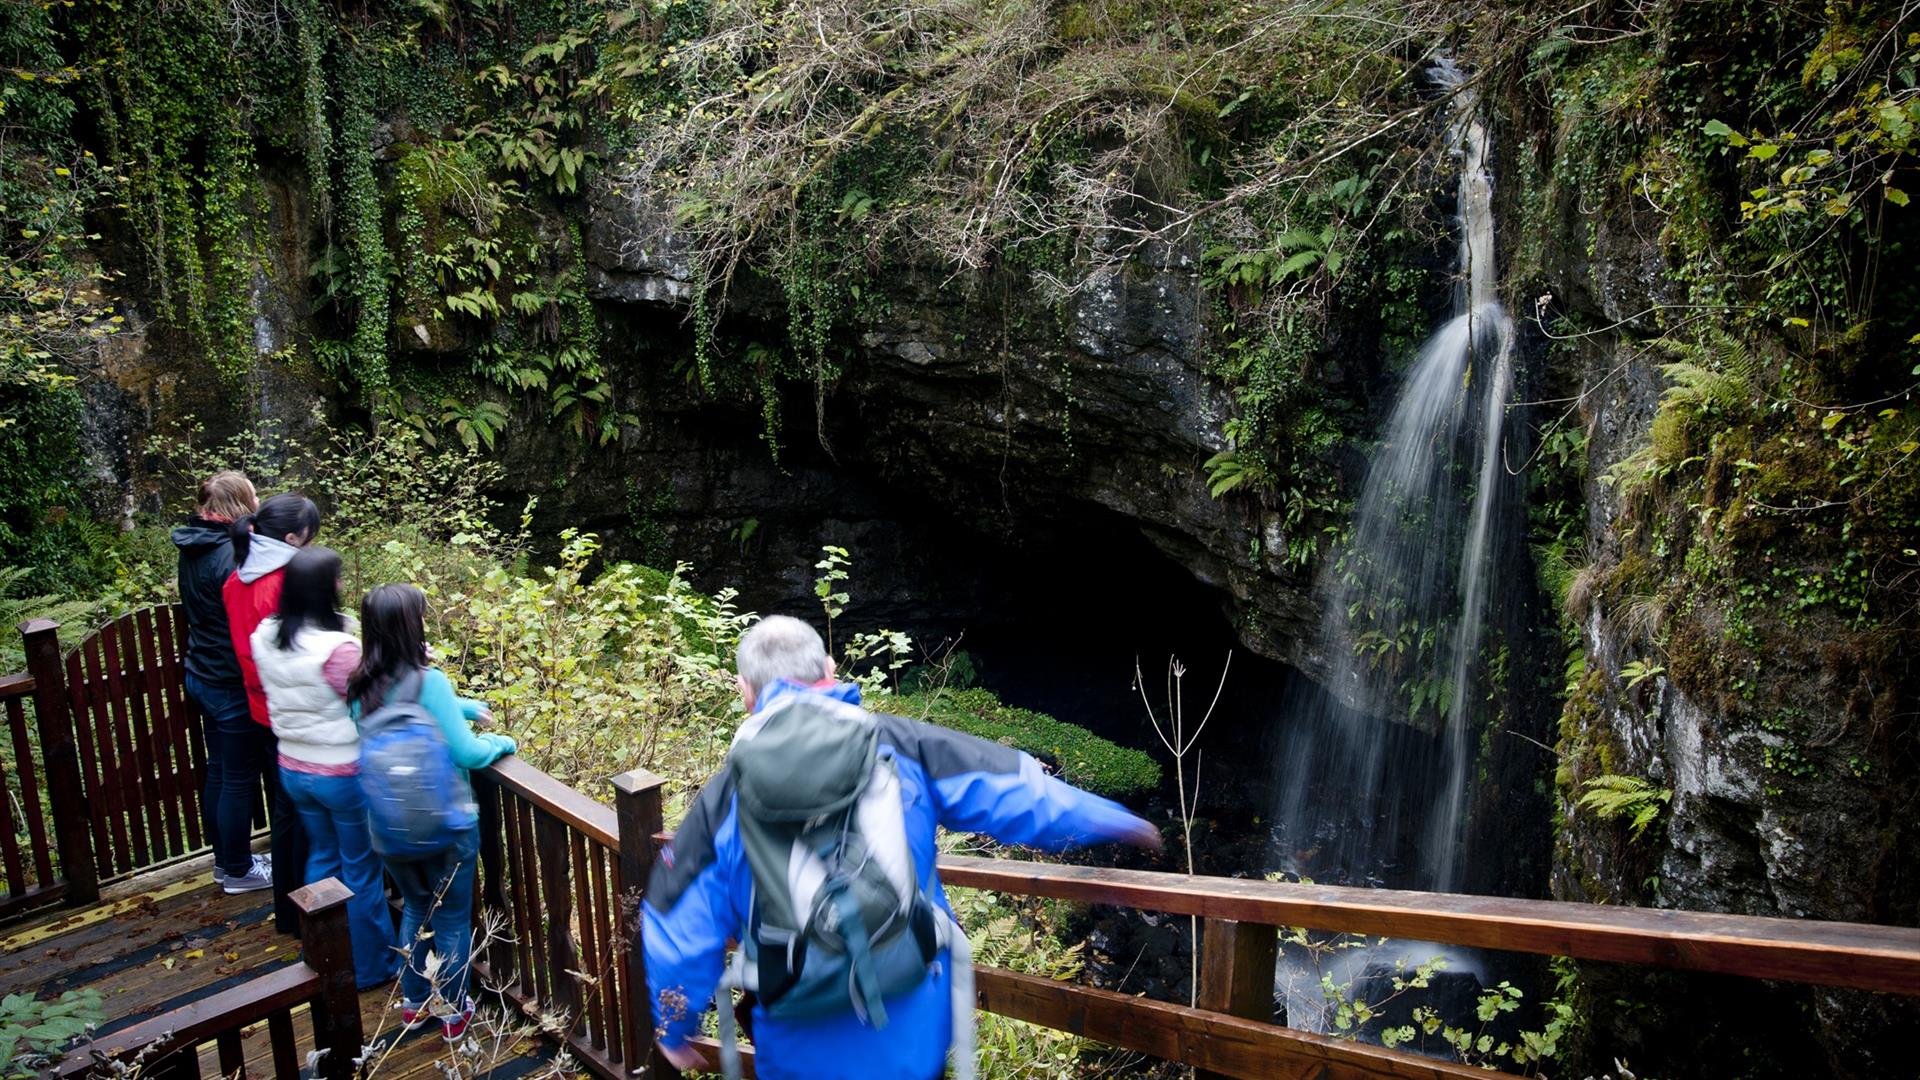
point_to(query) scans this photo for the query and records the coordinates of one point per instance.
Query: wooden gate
(107, 780)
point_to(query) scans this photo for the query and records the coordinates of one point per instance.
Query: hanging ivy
(311, 35)
(170, 93)
(362, 226)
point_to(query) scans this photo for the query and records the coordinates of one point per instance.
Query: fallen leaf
(167, 963)
(194, 954)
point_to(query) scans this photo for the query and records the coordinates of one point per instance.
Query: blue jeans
(437, 893)
(238, 750)
(334, 812)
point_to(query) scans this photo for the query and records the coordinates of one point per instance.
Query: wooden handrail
(16, 685)
(574, 809)
(1212, 1041)
(194, 1023)
(1860, 956)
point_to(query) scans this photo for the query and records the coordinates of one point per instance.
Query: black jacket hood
(196, 533)
(206, 560)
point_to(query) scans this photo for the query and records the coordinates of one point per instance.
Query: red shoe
(454, 1028)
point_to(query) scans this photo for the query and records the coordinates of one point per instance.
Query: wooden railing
(1229, 1031)
(564, 891)
(107, 780)
(142, 758)
(168, 1046)
(1242, 921)
(561, 877)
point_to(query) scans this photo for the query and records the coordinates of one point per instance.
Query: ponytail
(242, 532)
(284, 515)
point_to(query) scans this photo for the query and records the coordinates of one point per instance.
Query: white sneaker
(257, 877)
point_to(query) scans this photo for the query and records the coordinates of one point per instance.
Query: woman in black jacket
(237, 748)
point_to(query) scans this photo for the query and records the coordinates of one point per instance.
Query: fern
(1715, 374)
(1612, 797)
(1631, 473)
(1007, 942)
(72, 615)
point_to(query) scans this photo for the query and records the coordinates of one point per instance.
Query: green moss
(1083, 758)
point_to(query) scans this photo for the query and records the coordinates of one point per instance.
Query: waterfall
(1406, 602)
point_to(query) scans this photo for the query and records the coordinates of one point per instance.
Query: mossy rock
(1081, 757)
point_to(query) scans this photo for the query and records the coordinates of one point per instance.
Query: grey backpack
(838, 920)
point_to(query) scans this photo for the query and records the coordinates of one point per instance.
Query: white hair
(780, 647)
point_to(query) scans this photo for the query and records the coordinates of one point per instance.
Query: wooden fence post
(638, 807)
(60, 764)
(1237, 972)
(327, 948)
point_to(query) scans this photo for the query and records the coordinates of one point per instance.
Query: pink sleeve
(340, 664)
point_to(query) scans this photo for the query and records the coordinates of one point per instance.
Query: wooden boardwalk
(168, 939)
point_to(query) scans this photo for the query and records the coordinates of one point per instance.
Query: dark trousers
(240, 756)
(239, 751)
(289, 849)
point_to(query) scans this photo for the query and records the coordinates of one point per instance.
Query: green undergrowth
(1081, 757)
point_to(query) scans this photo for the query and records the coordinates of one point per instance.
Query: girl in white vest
(304, 655)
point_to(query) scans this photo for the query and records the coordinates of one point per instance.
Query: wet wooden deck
(168, 939)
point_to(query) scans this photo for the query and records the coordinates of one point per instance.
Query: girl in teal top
(437, 890)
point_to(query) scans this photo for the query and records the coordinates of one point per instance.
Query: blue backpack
(418, 800)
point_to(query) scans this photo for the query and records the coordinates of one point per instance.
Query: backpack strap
(962, 1003)
(866, 982)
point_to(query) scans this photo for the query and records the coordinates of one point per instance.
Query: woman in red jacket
(263, 543)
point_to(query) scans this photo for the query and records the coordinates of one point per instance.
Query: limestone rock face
(984, 404)
(633, 254)
(1760, 727)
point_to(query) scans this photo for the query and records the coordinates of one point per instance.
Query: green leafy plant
(1639, 671)
(17, 607)
(1615, 797)
(833, 596)
(34, 1033)
(476, 423)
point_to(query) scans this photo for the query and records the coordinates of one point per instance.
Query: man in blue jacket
(701, 893)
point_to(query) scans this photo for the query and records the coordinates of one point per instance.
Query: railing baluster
(562, 989)
(110, 793)
(493, 879)
(28, 776)
(286, 1051)
(233, 1060)
(188, 725)
(9, 829)
(169, 804)
(592, 1023)
(606, 956)
(134, 777)
(526, 895)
